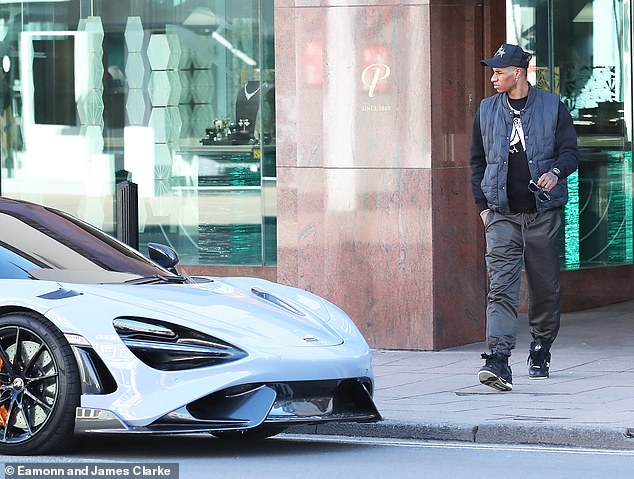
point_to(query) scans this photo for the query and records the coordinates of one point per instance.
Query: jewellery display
(220, 132)
(225, 133)
(244, 123)
(254, 118)
(248, 94)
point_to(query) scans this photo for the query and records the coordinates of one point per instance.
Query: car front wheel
(39, 386)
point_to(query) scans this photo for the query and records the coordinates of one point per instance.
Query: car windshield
(42, 243)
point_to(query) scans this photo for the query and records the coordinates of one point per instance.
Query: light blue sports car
(96, 338)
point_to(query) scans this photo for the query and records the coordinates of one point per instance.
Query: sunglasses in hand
(542, 194)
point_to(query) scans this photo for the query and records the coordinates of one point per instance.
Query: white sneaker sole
(489, 379)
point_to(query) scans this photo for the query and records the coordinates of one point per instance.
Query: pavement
(588, 401)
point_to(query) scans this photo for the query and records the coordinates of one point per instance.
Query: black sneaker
(496, 372)
(538, 361)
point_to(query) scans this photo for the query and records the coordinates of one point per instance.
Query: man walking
(524, 146)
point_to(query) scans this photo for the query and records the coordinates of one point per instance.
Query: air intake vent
(265, 295)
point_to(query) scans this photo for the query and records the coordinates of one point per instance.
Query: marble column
(375, 101)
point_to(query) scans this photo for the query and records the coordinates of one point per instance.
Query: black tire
(39, 387)
(255, 434)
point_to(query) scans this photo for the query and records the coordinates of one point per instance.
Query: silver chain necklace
(508, 103)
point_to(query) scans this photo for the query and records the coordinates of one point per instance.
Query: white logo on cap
(501, 52)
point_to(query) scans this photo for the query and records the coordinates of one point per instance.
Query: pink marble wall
(325, 113)
(374, 204)
(362, 239)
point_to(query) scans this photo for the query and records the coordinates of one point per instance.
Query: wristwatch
(556, 171)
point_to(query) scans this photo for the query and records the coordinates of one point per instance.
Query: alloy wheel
(40, 387)
(28, 383)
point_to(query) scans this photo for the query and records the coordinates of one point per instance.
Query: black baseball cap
(508, 55)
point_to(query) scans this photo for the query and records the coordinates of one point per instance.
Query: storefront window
(176, 96)
(582, 52)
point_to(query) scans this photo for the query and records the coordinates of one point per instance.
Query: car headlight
(170, 347)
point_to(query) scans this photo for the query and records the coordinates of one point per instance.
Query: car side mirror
(163, 255)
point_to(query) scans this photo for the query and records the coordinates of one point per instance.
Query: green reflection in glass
(620, 211)
(627, 166)
(239, 242)
(230, 244)
(597, 228)
(570, 252)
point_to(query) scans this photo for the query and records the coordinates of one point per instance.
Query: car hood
(219, 304)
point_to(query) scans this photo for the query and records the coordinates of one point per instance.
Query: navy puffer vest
(539, 121)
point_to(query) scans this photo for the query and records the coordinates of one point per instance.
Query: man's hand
(548, 181)
(483, 215)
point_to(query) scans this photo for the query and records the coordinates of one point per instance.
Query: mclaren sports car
(95, 338)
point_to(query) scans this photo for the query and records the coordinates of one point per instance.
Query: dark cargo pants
(531, 239)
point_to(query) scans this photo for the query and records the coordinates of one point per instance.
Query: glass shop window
(178, 97)
(582, 53)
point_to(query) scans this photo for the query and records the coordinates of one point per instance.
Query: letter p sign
(372, 75)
